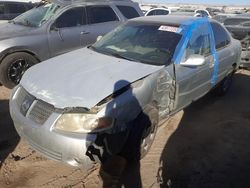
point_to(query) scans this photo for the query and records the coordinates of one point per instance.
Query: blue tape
(215, 56)
(187, 29)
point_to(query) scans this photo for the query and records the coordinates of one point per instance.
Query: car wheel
(225, 85)
(13, 67)
(141, 135)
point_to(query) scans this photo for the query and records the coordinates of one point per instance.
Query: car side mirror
(98, 38)
(194, 61)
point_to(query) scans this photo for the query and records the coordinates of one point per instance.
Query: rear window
(100, 14)
(220, 35)
(158, 12)
(128, 12)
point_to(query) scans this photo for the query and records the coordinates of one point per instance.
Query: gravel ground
(205, 145)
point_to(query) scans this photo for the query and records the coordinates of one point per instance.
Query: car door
(101, 20)
(195, 81)
(65, 33)
(226, 54)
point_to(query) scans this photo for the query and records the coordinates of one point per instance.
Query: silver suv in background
(56, 28)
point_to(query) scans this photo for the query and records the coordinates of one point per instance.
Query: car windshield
(146, 43)
(37, 16)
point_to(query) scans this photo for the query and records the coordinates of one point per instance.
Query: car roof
(184, 13)
(67, 2)
(167, 19)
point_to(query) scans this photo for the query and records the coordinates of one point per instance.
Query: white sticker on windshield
(170, 29)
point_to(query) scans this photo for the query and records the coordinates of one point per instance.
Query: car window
(2, 8)
(128, 12)
(14, 8)
(99, 14)
(72, 18)
(158, 12)
(220, 35)
(29, 6)
(161, 12)
(151, 13)
(198, 44)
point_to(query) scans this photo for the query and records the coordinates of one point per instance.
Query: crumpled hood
(10, 30)
(81, 78)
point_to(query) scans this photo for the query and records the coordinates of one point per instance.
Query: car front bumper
(70, 149)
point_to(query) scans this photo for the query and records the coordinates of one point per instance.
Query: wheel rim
(17, 69)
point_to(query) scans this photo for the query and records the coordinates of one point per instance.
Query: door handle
(84, 32)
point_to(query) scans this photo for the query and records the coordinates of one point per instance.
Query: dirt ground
(205, 145)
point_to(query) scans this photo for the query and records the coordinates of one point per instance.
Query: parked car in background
(186, 13)
(158, 11)
(166, 11)
(107, 99)
(239, 27)
(11, 9)
(56, 28)
(203, 13)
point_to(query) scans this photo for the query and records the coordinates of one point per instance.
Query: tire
(142, 135)
(13, 67)
(224, 85)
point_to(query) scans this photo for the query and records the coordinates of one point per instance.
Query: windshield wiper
(122, 57)
(112, 54)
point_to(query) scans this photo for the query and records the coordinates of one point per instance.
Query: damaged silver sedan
(93, 103)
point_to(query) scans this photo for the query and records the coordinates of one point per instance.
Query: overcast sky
(221, 2)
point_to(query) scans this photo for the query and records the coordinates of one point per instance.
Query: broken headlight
(82, 123)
